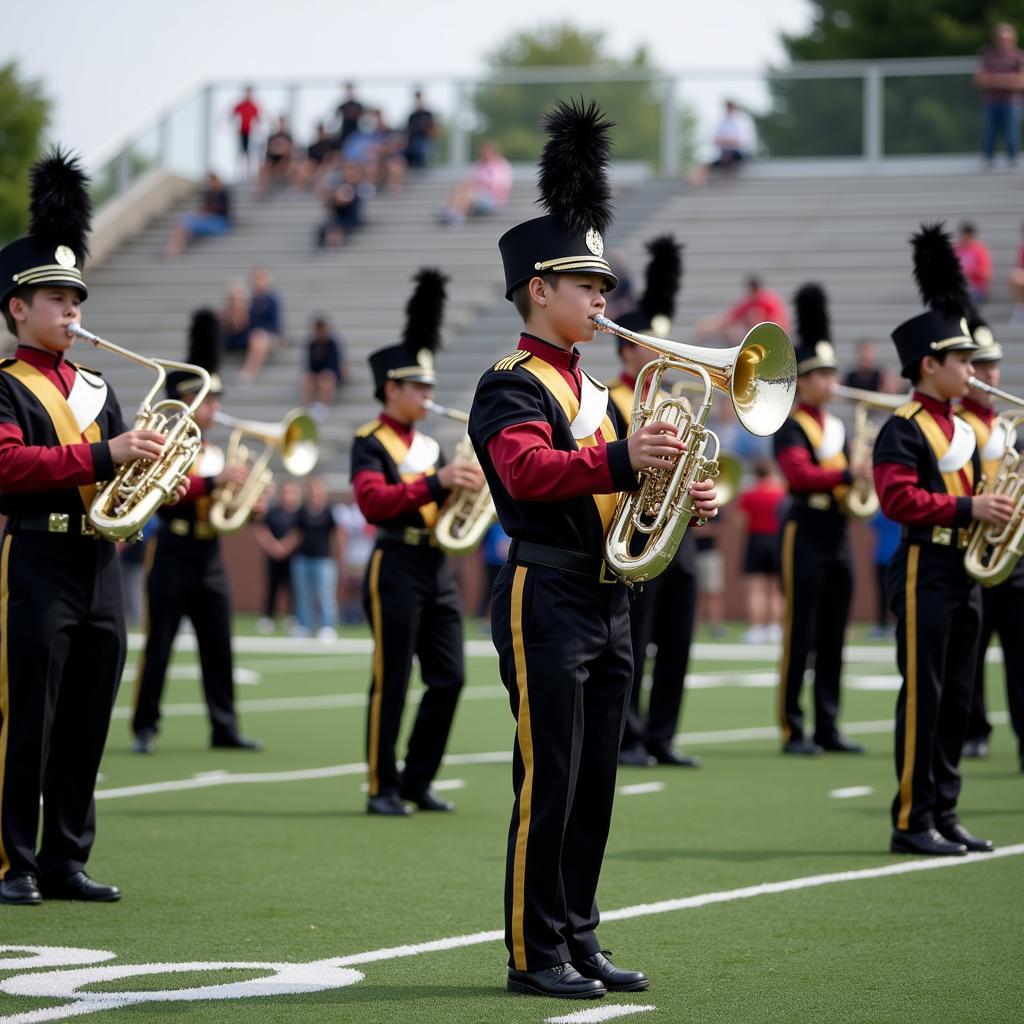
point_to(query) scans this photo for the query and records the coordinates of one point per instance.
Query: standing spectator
(761, 505)
(212, 218)
(234, 317)
(356, 539)
(711, 579)
(314, 566)
(276, 535)
(264, 324)
(1017, 286)
(280, 157)
(758, 305)
(1000, 76)
(420, 134)
(887, 540)
(867, 374)
(485, 191)
(975, 259)
(247, 113)
(348, 113)
(735, 141)
(325, 370)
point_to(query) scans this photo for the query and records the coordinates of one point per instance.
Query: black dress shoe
(235, 741)
(976, 748)
(928, 841)
(562, 982)
(21, 889)
(841, 745)
(601, 969)
(635, 757)
(144, 741)
(801, 747)
(958, 834)
(387, 804)
(428, 800)
(79, 886)
(666, 755)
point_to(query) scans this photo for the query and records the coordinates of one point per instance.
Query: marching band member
(551, 445)
(817, 579)
(411, 599)
(186, 575)
(926, 470)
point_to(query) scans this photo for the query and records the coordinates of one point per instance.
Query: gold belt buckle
(820, 502)
(204, 531)
(88, 530)
(412, 535)
(606, 575)
(942, 535)
(179, 527)
(58, 522)
(963, 538)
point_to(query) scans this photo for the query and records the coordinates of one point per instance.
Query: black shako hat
(573, 184)
(662, 279)
(413, 358)
(56, 246)
(203, 350)
(814, 349)
(940, 280)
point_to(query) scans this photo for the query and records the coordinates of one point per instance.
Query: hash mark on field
(598, 1014)
(849, 792)
(641, 787)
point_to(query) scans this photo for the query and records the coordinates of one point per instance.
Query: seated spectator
(485, 191)
(975, 259)
(387, 169)
(347, 115)
(761, 504)
(1017, 286)
(325, 370)
(280, 156)
(342, 193)
(760, 304)
(735, 141)
(420, 134)
(234, 318)
(317, 160)
(867, 374)
(264, 325)
(212, 218)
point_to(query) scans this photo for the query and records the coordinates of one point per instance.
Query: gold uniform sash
(810, 426)
(622, 395)
(939, 444)
(570, 404)
(397, 450)
(983, 432)
(61, 416)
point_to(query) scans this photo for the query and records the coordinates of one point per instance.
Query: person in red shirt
(247, 113)
(759, 305)
(1017, 286)
(976, 261)
(761, 504)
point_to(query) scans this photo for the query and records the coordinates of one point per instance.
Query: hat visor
(582, 266)
(815, 364)
(54, 279)
(413, 375)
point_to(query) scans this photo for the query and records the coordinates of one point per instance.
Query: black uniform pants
(1002, 614)
(817, 585)
(187, 578)
(279, 577)
(413, 606)
(62, 648)
(564, 655)
(938, 615)
(663, 613)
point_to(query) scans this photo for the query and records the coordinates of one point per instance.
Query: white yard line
(851, 792)
(641, 787)
(598, 1014)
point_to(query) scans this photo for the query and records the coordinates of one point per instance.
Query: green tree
(926, 114)
(512, 114)
(23, 115)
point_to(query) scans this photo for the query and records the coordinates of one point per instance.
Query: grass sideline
(286, 867)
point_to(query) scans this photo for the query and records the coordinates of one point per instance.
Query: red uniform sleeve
(804, 475)
(379, 501)
(25, 468)
(198, 487)
(904, 501)
(532, 470)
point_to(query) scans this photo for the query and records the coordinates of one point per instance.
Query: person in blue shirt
(264, 324)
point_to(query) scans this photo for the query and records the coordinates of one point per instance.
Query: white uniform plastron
(833, 437)
(88, 394)
(998, 441)
(423, 453)
(961, 447)
(210, 461)
(593, 408)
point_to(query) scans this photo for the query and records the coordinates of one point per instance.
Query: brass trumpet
(123, 506)
(466, 515)
(993, 551)
(295, 437)
(759, 375)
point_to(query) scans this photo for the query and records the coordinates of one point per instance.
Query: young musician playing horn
(817, 580)
(411, 599)
(62, 634)
(1003, 604)
(926, 471)
(552, 447)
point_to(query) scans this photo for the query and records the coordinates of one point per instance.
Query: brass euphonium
(993, 551)
(123, 506)
(295, 437)
(467, 514)
(730, 465)
(759, 375)
(861, 501)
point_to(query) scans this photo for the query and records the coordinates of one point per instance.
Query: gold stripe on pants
(373, 739)
(5, 690)
(910, 711)
(788, 541)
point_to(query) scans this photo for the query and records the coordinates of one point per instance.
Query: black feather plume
(60, 210)
(424, 311)
(204, 340)
(940, 278)
(812, 324)
(573, 175)
(662, 276)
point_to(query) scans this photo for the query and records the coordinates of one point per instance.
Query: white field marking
(851, 792)
(243, 676)
(641, 787)
(219, 778)
(598, 1014)
(439, 785)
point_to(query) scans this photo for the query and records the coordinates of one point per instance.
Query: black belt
(591, 566)
(414, 536)
(73, 524)
(819, 501)
(943, 536)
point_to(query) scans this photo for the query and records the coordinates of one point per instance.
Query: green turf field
(257, 860)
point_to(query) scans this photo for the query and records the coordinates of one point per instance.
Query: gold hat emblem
(425, 359)
(65, 256)
(983, 336)
(660, 325)
(595, 243)
(824, 351)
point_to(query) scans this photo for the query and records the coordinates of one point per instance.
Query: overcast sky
(110, 65)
